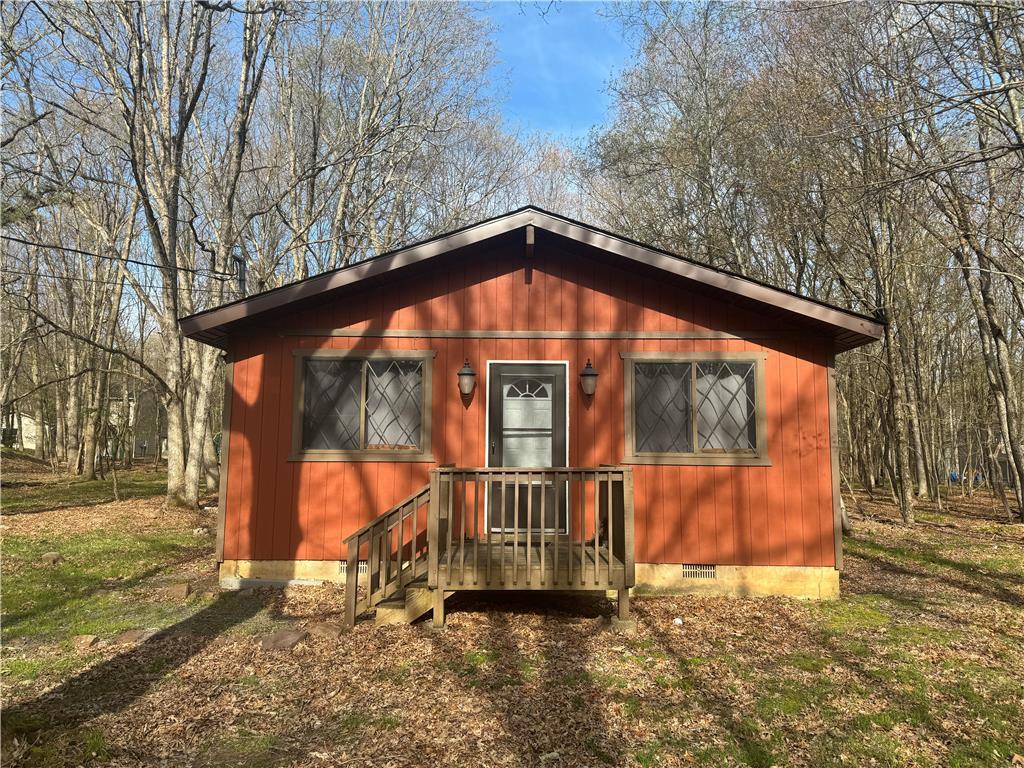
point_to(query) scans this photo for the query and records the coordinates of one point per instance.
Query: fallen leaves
(914, 664)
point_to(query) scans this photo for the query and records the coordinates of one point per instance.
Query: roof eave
(850, 329)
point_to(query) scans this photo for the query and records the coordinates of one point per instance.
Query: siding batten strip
(225, 445)
(432, 333)
(833, 449)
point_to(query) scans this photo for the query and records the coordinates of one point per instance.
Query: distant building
(150, 438)
(20, 430)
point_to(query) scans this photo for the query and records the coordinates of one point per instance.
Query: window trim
(298, 453)
(756, 458)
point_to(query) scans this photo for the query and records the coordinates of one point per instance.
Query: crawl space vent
(362, 569)
(691, 571)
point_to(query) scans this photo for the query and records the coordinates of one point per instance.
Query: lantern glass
(588, 379)
(467, 379)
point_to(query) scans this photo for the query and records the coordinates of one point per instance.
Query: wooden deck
(560, 565)
(495, 529)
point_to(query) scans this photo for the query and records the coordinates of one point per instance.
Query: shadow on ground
(116, 683)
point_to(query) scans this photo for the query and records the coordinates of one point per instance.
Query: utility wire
(128, 284)
(212, 273)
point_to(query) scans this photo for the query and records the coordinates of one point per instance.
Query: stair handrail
(377, 536)
(376, 521)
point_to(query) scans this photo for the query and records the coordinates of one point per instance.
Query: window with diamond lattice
(361, 405)
(689, 409)
(331, 404)
(394, 399)
(663, 415)
(726, 407)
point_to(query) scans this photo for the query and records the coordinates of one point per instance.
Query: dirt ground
(920, 663)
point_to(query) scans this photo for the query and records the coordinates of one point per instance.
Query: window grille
(352, 404)
(528, 389)
(725, 406)
(663, 408)
(692, 408)
(331, 404)
(394, 400)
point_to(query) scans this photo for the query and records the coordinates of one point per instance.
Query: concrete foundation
(818, 583)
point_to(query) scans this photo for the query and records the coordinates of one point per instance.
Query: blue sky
(553, 67)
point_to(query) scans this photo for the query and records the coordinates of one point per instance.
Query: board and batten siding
(773, 515)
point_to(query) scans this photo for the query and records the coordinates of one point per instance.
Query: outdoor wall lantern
(467, 379)
(588, 378)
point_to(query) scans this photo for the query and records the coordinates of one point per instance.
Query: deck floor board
(497, 560)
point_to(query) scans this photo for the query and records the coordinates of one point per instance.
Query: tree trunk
(200, 420)
(73, 424)
(60, 448)
(997, 368)
(900, 466)
(211, 461)
(38, 409)
(174, 401)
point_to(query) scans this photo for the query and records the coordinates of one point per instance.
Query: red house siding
(776, 515)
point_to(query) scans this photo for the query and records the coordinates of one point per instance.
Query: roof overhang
(848, 329)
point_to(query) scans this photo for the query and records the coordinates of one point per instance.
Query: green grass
(244, 748)
(41, 496)
(353, 724)
(85, 747)
(856, 613)
(788, 698)
(86, 593)
(474, 661)
(975, 563)
(806, 661)
(20, 669)
(745, 746)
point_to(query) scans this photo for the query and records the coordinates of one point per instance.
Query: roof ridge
(206, 323)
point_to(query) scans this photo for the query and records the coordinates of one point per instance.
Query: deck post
(438, 608)
(433, 522)
(629, 565)
(351, 582)
(622, 623)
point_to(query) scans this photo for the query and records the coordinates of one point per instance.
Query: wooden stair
(413, 602)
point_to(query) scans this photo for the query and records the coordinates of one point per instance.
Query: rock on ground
(179, 591)
(52, 558)
(134, 636)
(324, 629)
(84, 642)
(283, 640)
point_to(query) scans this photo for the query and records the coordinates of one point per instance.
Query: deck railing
(543, 528)
(499, 528)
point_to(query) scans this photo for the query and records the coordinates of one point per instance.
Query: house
(530, 403)
(149, 422)
(20, 430)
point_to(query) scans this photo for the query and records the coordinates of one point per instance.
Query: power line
(151, 286)
(212, 273)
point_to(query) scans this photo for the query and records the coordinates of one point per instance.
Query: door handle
(492, 448)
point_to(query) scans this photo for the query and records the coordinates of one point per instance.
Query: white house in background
(20, 430)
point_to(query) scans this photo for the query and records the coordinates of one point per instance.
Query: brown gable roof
(848, 329)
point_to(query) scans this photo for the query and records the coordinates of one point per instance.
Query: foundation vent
(692, 571)
(361, 570)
